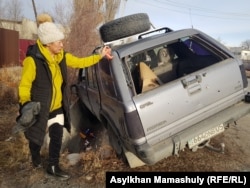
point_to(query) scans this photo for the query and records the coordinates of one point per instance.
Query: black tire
(114, 141)
(124, 27)
(116, 144)
(88, 113)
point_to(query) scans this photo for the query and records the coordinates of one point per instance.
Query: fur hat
(47, 31)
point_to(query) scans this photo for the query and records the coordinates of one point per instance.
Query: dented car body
(163, 92)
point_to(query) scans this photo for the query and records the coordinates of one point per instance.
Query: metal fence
(9, 49)
(12, 49)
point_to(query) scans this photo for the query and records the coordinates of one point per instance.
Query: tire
(116, 144)
(114, 140)
(124, 27)
(88, 113)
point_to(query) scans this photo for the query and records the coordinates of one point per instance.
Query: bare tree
(83, 33)
(14, 11)
(63, 12)
(111, 9)
(87, 16)
(2, 10)
(246, 44)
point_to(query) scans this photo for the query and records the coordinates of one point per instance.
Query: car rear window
(173, 60)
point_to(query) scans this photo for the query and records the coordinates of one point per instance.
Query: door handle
(191, 80)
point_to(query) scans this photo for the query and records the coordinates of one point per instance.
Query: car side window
(91, 73)
(107, 78)
(81, 75)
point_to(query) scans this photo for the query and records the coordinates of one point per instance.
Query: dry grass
(9, 80)
(15, 157)
(13, 153)
(93, 165)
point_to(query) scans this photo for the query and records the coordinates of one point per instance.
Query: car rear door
(179, 104)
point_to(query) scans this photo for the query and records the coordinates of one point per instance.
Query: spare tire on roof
(124, 27)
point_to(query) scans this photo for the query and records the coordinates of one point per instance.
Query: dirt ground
(16, 169)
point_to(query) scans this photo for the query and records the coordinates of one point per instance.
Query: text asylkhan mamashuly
(156, 179)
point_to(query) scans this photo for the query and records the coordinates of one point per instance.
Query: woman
(44, 80)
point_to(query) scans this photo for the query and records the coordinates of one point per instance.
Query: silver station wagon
(163, 91)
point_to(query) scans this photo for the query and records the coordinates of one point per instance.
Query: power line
(219, 12)
(198, 11)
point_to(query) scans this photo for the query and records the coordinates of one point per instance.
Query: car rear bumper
(150, 154)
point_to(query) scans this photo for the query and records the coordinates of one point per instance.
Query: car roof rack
(158, 31)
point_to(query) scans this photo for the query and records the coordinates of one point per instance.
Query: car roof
(158, 39)
(151, 41)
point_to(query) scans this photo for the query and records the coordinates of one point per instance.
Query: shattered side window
(92, 82)
(196, 48)
(107, 78)
(170, 61)
(194, 54)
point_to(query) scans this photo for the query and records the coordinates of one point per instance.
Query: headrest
(164, 55)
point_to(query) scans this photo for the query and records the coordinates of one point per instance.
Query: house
(15, 36)
(245, 56)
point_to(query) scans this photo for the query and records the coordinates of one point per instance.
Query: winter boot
(55, 170)
(55, 134)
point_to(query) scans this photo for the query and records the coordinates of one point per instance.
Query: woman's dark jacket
(41, 91)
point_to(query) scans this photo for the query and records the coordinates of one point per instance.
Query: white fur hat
(47, 31)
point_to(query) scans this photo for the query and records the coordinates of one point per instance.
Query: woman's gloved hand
(28, 113)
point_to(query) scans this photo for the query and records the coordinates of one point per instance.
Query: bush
(9, 81)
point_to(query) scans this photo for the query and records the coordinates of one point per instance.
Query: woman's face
(55, 47)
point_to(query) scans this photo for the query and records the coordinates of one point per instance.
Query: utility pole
(34, 8)
(190, 15)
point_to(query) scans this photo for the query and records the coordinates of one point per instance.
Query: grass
(14, 152)
(16, 163)
(9, 80)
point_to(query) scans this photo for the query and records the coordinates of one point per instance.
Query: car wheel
(116, 144)
(88, 113)
(124, 27)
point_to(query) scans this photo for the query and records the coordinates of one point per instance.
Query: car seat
(148, 78)
(166, 66)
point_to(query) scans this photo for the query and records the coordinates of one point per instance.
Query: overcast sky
(225, 20)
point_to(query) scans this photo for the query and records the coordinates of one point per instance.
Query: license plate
(205, 136)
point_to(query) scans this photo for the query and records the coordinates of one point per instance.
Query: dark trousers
(55, 144)
(34, 150)
(55, 134)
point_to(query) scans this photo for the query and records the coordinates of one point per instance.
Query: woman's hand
(106, 52)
